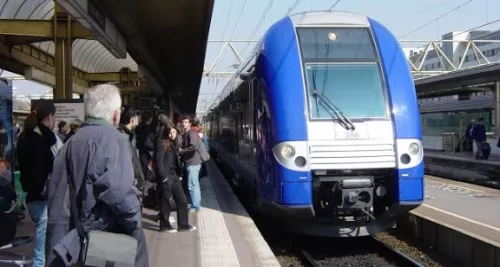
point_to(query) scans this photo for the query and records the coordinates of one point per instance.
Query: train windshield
(341, 64)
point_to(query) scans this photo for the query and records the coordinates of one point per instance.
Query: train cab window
(355, 88)
(342, 64)
(320, 44)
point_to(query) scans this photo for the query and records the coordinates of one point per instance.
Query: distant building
(454, 51)
(447, 114)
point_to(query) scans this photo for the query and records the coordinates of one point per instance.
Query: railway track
(295, 250)
(369, 252)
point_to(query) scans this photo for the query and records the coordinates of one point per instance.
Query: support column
(167, 105)
(126, 99)
(497, 108)
(63, 55)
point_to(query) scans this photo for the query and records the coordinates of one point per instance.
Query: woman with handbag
(169, 172)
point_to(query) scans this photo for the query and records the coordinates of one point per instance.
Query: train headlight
(287, 151)
(414, 148)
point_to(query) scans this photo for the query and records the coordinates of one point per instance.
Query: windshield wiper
(345, 122)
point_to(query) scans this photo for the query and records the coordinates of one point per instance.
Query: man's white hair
(101, 101)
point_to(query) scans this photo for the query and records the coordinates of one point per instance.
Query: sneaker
(171, 219)
(188, 229)
(193, 210)
(168, 229)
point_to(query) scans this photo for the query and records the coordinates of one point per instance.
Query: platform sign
(67, 110)
(6, 131)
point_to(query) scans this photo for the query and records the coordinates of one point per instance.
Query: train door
(245, 138)
(235, 128)
(264, 160)
(253, 121)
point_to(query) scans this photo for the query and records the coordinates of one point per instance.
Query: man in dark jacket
(95, 163)
(192, 161)
(479, 136)
(143, 132)
(128, 122)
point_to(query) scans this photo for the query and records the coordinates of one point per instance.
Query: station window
(435, 124)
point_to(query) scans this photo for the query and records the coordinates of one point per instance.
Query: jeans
(193, 172)
(142, 258)
(38, 212)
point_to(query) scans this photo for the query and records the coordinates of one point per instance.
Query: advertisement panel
(67, 110)
(6, 130)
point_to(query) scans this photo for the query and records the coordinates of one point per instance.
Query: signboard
(67, 110)
(6, 130)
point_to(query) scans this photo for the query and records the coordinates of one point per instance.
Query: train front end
(361, 161)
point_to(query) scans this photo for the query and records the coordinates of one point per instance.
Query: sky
(402, 17)
(416, 20)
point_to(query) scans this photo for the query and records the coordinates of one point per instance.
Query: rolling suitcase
(486, 150)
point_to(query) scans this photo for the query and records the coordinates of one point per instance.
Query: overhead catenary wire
(478, 27)
(291, 8)
(334, 4)
(230, 38)
(425, 10)
(225, 25)
(259, 23)
(435, 19)
(224, 33)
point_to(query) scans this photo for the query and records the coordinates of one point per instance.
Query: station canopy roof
(168, 37)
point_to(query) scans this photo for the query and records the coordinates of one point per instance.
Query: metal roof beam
(42, 62)
(30, 56)
(45, 77)
(112, 77)
(134, 89)
(209, 71)
(41, 28)
(91, 17)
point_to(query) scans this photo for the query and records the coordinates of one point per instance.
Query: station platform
(225, 236)
(458, 221)
(468, 156)
(464, 196)
(464, 206)
(464, 167)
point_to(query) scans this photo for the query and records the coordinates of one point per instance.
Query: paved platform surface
(461, 156)
(226, 235)
(24, 228)
(465, 207)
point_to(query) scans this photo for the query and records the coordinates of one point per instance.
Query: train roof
(337, 18)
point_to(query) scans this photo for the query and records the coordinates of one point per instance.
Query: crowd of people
(95, 175)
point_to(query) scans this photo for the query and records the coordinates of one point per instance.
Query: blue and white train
(321, 126)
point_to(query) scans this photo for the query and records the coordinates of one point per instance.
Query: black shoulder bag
(99, 248)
